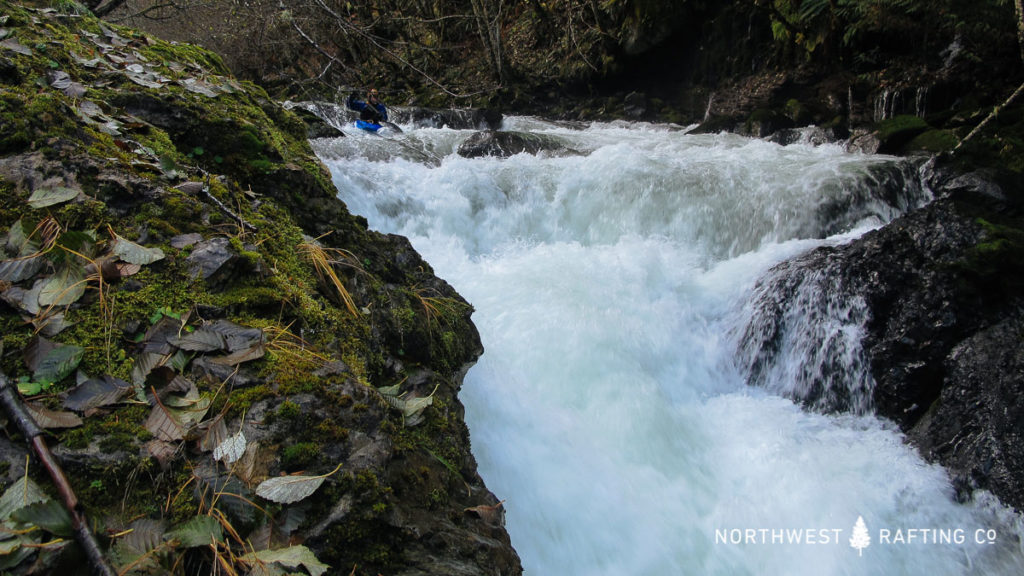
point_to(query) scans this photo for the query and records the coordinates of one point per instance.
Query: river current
(610, 412)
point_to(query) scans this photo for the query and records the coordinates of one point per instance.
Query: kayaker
(372, 110)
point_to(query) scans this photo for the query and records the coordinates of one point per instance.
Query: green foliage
(859, 26)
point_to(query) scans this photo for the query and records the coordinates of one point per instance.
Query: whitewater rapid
(611, 281)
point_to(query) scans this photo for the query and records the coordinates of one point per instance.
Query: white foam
(607, 410)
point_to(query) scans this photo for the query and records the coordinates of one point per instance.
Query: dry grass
(325, 260)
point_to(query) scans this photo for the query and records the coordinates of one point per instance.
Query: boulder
(316, 127)
(504, 144)
(635, 105)
(936, 294)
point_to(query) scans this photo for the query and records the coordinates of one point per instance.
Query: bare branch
(10, 399)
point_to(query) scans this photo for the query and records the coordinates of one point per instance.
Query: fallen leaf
(133, 253)
(18, 495)
(289, 489)
(15, 46)
(51, 324)
(19, 269)
(161, 450)
(43, 197)
(202, 340)
(96, 393)
(50, 515)
(291, 558)
(494, 515)
(212, 433)
(65, 287)
(254, 465)
(236, 358)
(52, 419)
(59, 362)
(231, 449)
(163, 424)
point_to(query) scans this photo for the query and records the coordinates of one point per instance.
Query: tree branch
(990, 117)
(11, 401)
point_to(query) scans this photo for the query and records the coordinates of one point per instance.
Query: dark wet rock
(937, 294)
(303, 383)
(185, 240)
(635, 105)
(864, 141)
(811, 135)
(976, 425)
(9, 71)
(317, 127)
(717, 124)
(504, 144)
(765, 122)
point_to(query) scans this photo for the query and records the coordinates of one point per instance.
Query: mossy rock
(895, 133)
(765, 122)
(935, 141)
(154, 160)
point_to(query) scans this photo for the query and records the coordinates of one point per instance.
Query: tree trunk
(489, 28)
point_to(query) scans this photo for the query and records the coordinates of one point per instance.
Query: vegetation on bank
(837, 64)
(225, 360)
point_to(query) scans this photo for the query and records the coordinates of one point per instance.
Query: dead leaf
(96, 393)
(289, 489)
(51, 324)
(236, 358)
(237, 336)
(15, 46)
(161, 450)
(202, 340)
(65, 287)
(19, 269)
(51, 419)
(494, 515)
(231, 449)
(133, 253)
(212, 433)
(254, 465)
(163, 424)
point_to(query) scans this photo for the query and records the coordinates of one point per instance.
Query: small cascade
(921, 101)
(892, 102)
(333, 114)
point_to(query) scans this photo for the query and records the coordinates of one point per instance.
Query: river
(610, 409)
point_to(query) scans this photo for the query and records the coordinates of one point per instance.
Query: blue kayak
(368, 126)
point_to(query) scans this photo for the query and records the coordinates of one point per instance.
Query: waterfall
(621, 294)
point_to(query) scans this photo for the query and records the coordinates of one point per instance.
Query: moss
(896, 132)
(241, 400)
(998, 259)
(231, 143)
(364, 536)
(934, 141)
(288, 410)
(300, 456)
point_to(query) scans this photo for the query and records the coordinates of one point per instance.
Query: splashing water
(609, 410)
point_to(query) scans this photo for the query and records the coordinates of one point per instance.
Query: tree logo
(860, 539)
